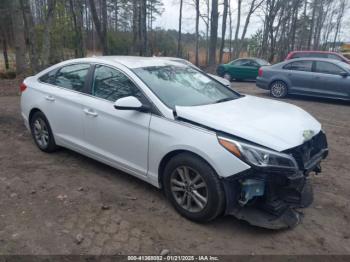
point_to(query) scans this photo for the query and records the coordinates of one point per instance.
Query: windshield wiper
(223, 100)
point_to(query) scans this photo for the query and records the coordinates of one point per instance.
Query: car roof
(132, 61)
(140, 61)
(315, 52)
(313, 59)
(252, 58)
(334, 61)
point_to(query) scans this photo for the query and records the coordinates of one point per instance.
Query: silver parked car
(307, 76)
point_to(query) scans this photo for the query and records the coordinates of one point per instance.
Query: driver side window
(111, 84)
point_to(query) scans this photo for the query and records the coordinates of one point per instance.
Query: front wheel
(193, 188)
(279, 89)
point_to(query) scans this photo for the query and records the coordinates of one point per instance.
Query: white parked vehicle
(212, 150)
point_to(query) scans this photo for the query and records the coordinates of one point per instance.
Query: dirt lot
(52, 203)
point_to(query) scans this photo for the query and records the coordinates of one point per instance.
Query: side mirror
(131, 103)
(344, 74)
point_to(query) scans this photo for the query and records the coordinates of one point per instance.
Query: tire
(208, 186)
(278, 89)
(42, 133)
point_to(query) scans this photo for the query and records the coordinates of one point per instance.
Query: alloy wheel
(41, 133)
(278, 89)
(189, 189)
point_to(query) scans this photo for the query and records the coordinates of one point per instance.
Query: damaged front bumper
(272, 199)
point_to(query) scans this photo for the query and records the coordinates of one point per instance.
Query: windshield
(184, 86)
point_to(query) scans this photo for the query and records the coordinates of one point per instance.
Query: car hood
(276, 125)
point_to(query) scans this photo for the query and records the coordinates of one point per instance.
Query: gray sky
(169, 19)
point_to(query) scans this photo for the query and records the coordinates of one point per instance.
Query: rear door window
(328, 68)
(305, 66)
(49, 77)
(72, 77)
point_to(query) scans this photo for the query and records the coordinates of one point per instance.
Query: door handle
(90, 112)
(50, 98)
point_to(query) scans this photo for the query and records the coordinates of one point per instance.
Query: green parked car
(241, 69)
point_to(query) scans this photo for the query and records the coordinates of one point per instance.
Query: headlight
(258, 156)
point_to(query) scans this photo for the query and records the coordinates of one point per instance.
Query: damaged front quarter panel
(272, 199)
(277, 207)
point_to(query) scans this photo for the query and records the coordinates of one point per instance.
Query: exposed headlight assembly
(259, 156)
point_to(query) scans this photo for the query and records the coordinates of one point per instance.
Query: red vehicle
(317, 54)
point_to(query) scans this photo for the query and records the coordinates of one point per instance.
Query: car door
(236, 69)
(63, 90)
(300, 76)
(330, 81)
(252, 69)
(119, 137)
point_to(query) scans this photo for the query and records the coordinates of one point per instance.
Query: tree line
(44, 32)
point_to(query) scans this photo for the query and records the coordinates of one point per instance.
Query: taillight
(260, 72)
(22, 87)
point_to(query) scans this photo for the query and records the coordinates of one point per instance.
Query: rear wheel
(279, 89)
(41, 132)
(193, 188)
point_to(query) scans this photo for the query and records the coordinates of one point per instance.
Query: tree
(101, 27)
(223, 30)
(239, 10)
(76, 8)
(230, 27)
(30, 34)
(135, 27)
(254, 5)
(154, 9)
(314, 6)
(143, 27)
(47, 32)
(213, 32)
(206, 19)
(11, 19)
(5, 29)
(340, 11)
(197, 32)
(180, 32)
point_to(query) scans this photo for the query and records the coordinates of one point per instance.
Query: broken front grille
(305, 153)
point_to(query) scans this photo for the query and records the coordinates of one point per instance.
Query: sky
(170, 17)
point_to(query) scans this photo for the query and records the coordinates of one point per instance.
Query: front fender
(167, 136)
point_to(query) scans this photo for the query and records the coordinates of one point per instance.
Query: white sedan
(212, 150)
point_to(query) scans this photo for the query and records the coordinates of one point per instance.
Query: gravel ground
(65, 203)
